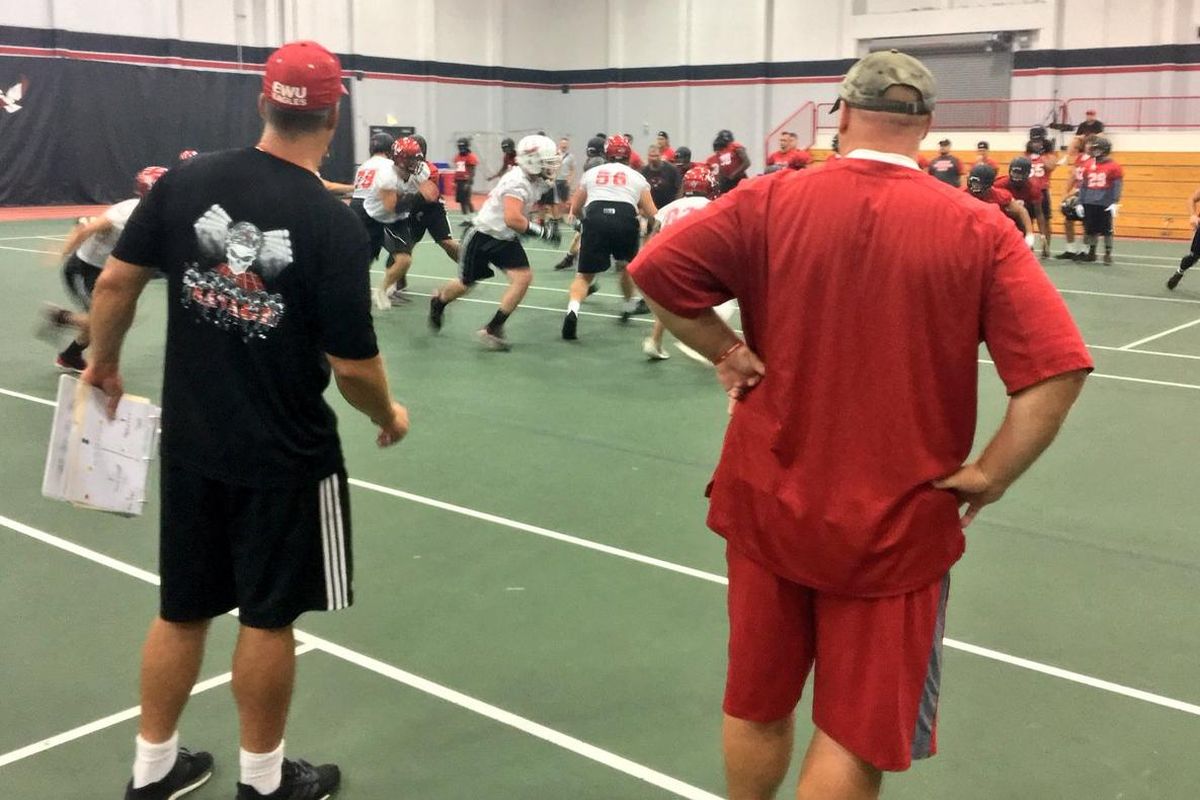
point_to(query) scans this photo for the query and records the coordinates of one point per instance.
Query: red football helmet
(617, 148)
(184, 155)
(145, 180)
(406, 153)
(699, 180)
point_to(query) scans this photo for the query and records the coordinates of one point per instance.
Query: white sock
(262, 771)
(152, 762)
(573, 305)
(632, 303)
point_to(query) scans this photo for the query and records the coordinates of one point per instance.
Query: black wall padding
(85, 128)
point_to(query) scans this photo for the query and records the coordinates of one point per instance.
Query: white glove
(1113, 210)
(1031, 240)
(422, 173)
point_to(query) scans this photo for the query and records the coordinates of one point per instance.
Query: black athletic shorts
(398, 237)
(273, 553)
(562, 191)
(547, 198)
(462, 192)
(432, 218)
(1046, 204)
(1195, 242)
(610, 231)
(1097, 220)
(80, 280)
(480, 252)
(374, 227)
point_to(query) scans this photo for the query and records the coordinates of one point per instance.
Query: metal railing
(1138, 113)
(996, 114)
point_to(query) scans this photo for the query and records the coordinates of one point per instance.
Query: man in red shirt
(853, 413)
(664, 147)
(983, 155)
(729, 161)
(788, 156)
(635, 159)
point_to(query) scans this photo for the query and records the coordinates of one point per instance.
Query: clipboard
(94, 462)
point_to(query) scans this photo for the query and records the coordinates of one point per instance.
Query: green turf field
(540, 612)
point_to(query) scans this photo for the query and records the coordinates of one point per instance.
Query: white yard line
(547, 734)
(1160, 335)
(51, 742)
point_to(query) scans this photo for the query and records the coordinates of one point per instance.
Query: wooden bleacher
(1154, 204)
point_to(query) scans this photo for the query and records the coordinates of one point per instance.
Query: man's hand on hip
(973, 488)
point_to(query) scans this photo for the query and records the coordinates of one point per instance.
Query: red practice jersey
(724, 161)
(1039, 175)
(462, 165)
(825, 477)
(1026, 192)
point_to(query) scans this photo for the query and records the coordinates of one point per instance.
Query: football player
(396, 192)
(699, 187)
(608, 200)
(508, 151)
(465, 164)
(729, 161)
(1100, 196)
(430, 215)
(1077, 152)
(86, 249)
(635, 159)
(595, 157)
(1017, 183)
(683, 160)
(1193, 254)
(981, 185)
(492, 240)
(364, 182)
(1039, 150)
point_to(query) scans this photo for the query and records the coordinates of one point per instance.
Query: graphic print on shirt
(230, 290)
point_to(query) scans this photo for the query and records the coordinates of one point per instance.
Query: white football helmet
(538, 156)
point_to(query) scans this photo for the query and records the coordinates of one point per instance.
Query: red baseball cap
(304, 76)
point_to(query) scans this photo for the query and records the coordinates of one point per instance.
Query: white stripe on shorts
(333, 546)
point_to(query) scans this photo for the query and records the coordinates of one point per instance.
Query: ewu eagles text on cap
(304, 76)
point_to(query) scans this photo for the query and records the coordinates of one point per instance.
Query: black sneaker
(301, 781)
(1089, 257)
(68, 362)
(1174, 280)
(567, 262)
(436, 309)
(191, 771)
(570, 323)
(1066, 255)
(593, 287)
(1108, 259)
(641, 307)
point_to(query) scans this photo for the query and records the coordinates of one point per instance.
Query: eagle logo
(10, 100)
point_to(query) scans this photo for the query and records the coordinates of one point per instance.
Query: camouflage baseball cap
(868, 80)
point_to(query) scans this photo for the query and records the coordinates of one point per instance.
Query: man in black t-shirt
(268, 287)
(1090, 125)
(662, 177)
(945, 166)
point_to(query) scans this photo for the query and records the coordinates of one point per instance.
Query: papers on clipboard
(95, 462)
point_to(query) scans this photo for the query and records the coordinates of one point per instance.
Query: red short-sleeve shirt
(462, 165)
(1026, 192)
(866, 288)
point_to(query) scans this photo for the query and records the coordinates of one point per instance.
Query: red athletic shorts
(878, 661)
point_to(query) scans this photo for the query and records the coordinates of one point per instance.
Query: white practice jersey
(97, 247)
(386, 180)
(678, 209)
(614, 183)
(514, 183)
(364, 176)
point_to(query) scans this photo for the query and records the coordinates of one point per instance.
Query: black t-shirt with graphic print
(266, 273)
